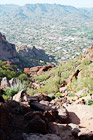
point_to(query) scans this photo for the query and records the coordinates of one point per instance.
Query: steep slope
(72, 76)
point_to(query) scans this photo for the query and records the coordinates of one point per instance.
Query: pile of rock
(39, 117)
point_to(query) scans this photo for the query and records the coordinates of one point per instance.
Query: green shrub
(71, 95)
(11, 91)
(58, 95)
(31, 91)
(89, 102)
(23, 76)
(86, 61)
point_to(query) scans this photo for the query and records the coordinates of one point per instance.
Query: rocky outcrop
(69, 80)
(4, 83)
(30, 52)
(33, 56)
(7, 50)
(75, 74)
(38, 69)
(88, 53)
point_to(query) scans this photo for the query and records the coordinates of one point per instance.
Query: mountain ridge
(46, 8)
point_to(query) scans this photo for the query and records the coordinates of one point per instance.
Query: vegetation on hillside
(55, 77)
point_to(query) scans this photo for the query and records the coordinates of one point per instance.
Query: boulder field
(39, 117)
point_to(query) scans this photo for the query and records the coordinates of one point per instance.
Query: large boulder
(81, 115)
(21, 96)
(39, 107)
(61, 130)
(36, 123)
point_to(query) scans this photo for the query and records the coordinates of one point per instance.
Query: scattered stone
(81, 93)
(62, 89)
(82, 100)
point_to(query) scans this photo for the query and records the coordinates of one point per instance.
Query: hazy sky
(76, 3)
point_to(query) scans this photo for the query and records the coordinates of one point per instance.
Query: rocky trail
(39, 117)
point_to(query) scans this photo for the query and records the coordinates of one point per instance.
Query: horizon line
(43, 4)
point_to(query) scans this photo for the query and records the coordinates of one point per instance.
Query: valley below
(62, 31)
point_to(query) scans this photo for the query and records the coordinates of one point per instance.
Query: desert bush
(11, 91)
(31, 91)
(23, 76)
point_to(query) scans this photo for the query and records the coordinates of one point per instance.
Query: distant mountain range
(33, 11)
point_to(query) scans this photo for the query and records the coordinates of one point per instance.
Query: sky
(76, 3)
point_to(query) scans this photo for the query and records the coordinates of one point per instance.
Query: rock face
(38, 69)
(30, 52)
(7, 50)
